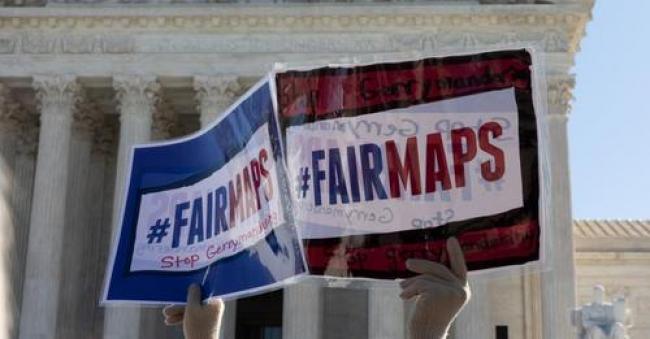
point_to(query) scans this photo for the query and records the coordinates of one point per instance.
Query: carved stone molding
(186, 124)
(15, 119)
(560, 96)
(510, 38)
(105, 137)
(332, 18)
(57, 94)
(122, 23)
(28, 134)
(214, 94)
(11, 113)
(555, 40)
(87, 117)
(552, 39)
(136, 95)
(165, 121)
(469, 40)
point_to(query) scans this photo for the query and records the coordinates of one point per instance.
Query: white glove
(441, 293)
(200, 321)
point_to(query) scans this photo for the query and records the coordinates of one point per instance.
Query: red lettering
(487, 171)
(248, 194)
(459, 137)
(209, 252)
(235, 201)
(257, 180)
(436, 158)
(410, 167)
(167, 261)
(263, 156)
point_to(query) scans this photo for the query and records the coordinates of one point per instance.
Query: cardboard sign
(210, 209)
(385, 161)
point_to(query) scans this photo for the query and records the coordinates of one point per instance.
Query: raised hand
(441, 293)
(200, 321)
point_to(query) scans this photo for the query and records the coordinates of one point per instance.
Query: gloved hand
(441, 293)
(200, 321)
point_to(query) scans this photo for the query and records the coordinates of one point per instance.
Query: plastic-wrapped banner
(387, 160)
(208, 209)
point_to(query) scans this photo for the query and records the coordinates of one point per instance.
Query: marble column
(302, 311)
(57, 96)
(106, 148)
(214, 94)
(136, 96)
(558, 283)
(385, 313)
(163, 126)
(531, 283)
(9, 122)
(474, 321)
(101, 179)
(75, 319)
(21, 201)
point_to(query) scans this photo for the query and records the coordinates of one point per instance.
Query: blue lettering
(371, 172)
(318, 175)
(221, 205)
(336, 178)
(179, 221)
(354, 176)
(208, 218)
(196, 222)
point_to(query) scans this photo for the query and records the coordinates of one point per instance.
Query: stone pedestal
(229, 320)
(385, 313)
(474, 321)
(302, 311)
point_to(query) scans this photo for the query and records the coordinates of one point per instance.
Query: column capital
(136, 94)
(11, 112)
(214, 93)
(217, 85)
(57, 94)
(560, 94)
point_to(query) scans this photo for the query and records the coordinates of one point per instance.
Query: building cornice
(294, 9)
(612, 235)
(605, 257)
(297, 17)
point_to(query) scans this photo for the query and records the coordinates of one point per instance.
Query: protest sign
(387, 160)
(209, 209)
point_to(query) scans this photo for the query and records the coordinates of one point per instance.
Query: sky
(609, 125)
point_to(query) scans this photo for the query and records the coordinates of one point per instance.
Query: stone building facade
(82, 81)
(616, 254)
